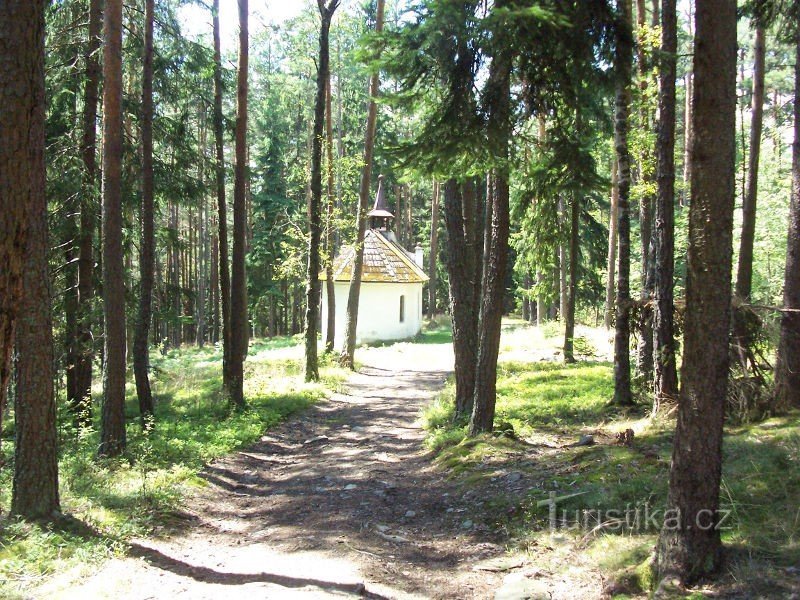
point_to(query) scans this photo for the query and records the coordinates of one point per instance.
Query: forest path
(338, 502)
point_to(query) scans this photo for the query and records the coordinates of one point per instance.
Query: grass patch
(549, 406)
(142, 493)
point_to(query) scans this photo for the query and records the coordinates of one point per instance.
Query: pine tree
(498, 93)
(744, 274)
(141, 359)
(84, 357)
(35, 489)
(20, 33)
(112, 432)
(622, 332)
(22, 221)
(354, 293)
(330, 326)
(239, 320)
(665, 377)
(572, 286)
(222, 208)
(787, 368)
(432, 259)
(315, 206)
(689, 546)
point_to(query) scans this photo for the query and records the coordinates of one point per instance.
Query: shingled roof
(385, 261)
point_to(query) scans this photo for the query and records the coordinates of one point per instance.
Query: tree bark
(222, 210)
(354, 293)
(21, 158)
(572, 287)
(611, 264)
(82, 411)
(541, 310)
(20, 30)
(202, 262)
(434, 251)
(315, 206)
(744, 273)
(665, 376)
(563, 267)
(687, 119)
(239, 324)
(622, 358)
(464, 287)
(787, 368)
(214, 284)
(141, 346)
(330, 247)
(498, 91)
(112, 433)
(691, 549)
(744, 276)
(644, 354)
(35, 488)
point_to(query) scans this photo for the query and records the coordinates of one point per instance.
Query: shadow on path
(207, 575)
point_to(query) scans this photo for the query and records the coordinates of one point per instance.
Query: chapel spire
(379, 216)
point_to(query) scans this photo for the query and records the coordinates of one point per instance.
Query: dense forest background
(186, 307)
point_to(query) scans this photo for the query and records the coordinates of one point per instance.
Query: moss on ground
(610, 497)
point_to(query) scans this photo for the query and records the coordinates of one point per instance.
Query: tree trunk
(622, 332)
(744, 274)
(141, 346)
(70, 235)
(644, 354)
(485, 228)
(787, 368)
(21, 159)
(330, 247)
(35, 489)
(434, 251)
(112, 433)
(315, 206)
(351, 322)
(202, 278)
(572, 288)
(691, 548)
(399, 225)
(239, 325)
(665, 379)
(541, 310)
(411, 241)
(214, 284)
(611, 264)
(82, 411)
(526, 302)
(175, 274)
(563, 267)
(339, 136)
(494, 276)
(687, 120)
(744, 277)
(222, 210)
(461, 265)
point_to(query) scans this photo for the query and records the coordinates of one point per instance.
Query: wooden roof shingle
(385, 261)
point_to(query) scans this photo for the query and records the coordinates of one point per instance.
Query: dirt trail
(339, 502)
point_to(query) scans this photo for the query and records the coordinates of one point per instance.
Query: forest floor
(339, 501)
(374, 492)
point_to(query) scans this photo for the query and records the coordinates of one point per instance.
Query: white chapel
(390, 303)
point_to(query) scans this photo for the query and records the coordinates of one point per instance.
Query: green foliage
(142, 493)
